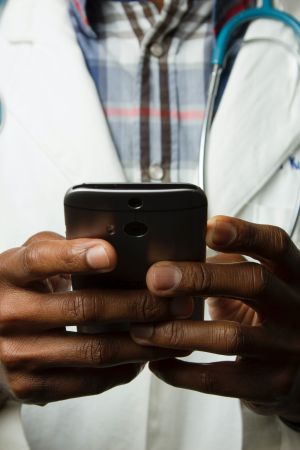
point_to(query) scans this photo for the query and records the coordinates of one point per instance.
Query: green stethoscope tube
(266, 11)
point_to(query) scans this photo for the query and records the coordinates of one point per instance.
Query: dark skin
(40, 361)
(255, 310)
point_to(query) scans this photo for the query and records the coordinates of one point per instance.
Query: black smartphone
(145, 222)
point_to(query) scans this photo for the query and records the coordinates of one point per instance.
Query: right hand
(40, 362)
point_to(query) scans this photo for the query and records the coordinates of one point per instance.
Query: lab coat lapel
(257, 125)
(63, 116)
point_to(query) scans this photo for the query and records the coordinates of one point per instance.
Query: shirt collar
(222, 12)
(79, 7)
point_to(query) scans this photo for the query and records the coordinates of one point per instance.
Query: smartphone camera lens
(135, 203)
(136, 229)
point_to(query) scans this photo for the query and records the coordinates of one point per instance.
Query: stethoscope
(266, 11)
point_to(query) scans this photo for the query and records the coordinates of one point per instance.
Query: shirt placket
(157, 120)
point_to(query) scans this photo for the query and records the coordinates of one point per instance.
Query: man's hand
(40, 361)
(256, 312)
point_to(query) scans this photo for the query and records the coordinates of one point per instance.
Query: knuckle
(280, 241)
(2, 266)
(174, 333)
(4, 259)
(226, 337)
(13, 356)
(248, 237)
(8, 354)
(31, 261)
(69, 256)
(24, 388)
(72, 306)
(43, 236)
(258, 280)
(147, 307)
(83, 308)
(93, 307)
(234, 340)
(200, 279)
(9, 313)
(7, 316)
(99, 352)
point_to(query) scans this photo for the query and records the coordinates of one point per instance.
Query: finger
(220, 337)
(265, 243)
(249, 282)
(46, 258)
(61, 384)
(56, 283)
(44, 236)
(34, 353)
(27, 311)
(249, 380)
(226, 258)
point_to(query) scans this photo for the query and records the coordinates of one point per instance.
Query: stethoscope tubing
(266, 11)
(246, 17)
(212, 94)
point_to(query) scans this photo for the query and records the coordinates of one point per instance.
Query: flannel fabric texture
(151, 70)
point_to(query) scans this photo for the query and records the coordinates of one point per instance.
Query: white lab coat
(55, 136)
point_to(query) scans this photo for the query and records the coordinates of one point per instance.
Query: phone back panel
(145, 224)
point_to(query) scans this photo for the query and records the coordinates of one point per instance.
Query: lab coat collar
(31, 20)
(48, 89)
(73, 132)
(256, 127)
(19, 23)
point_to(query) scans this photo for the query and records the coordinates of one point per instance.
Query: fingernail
(166, 278)
(182, 307)
(221, 233)
(142, 332)
(97, 258)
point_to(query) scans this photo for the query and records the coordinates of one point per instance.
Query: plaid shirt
(152, 71)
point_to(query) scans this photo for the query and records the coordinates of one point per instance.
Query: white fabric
(290, 6)
(260, 133)
(11, 430)
(44, 83)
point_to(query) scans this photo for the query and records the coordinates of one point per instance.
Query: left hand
(256, 312)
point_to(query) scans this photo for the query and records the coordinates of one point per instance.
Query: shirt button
(157, 50)
(156, 172)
